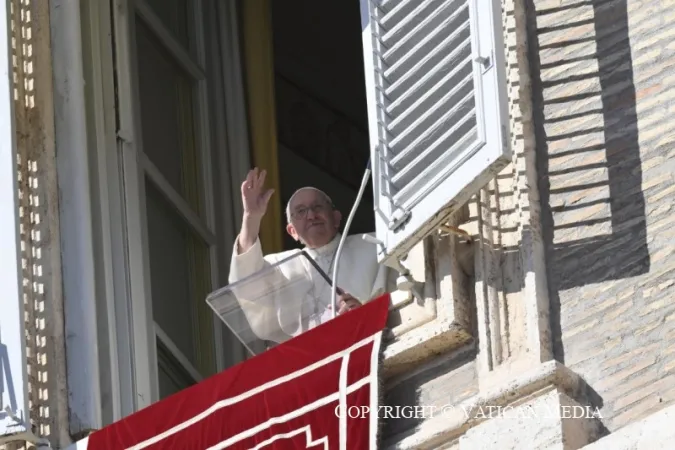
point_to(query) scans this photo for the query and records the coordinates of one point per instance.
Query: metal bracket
(26, 435)
(405, 281)
(485, 61)
(398, 218)
(372, 240)
(456, 231)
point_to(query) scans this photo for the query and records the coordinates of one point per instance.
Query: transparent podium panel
(276, 303)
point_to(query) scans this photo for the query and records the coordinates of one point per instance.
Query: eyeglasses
(301, 213)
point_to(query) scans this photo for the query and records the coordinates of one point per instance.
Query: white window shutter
(437, 110)
(13, 379)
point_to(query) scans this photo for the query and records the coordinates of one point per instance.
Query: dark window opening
(321, 104)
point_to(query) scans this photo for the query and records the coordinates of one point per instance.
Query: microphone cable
(343, 238)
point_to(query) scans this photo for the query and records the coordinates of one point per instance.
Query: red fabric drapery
(318, 390)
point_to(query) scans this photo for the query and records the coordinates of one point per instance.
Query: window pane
(167, 115)
(172, 377)
(176, 16)
(180, 281)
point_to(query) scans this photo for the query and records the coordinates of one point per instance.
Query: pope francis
(291, 298)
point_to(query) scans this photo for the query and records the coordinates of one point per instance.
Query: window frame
(145, 169)
(125, 300)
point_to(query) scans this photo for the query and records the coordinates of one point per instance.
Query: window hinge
(399, 218)
(123, 136)
(485, 62)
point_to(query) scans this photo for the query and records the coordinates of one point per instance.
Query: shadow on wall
(588, 154)
(444, 380)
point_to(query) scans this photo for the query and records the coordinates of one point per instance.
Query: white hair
(311, 188)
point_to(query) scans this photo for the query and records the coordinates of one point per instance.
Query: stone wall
(449, 379)
(571, 251)
(503, 263)
(603, 95)
(41, 279)
(653, 432)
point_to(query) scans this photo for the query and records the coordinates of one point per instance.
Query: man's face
(313, 220)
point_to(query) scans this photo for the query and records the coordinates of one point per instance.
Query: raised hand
(254, 199)
(347, 302)
(253, 195)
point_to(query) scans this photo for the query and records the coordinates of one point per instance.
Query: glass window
(173, 377)
(179, 257)
(167, 115)
(175, 15)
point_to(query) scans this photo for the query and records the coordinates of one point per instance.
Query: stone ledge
(442, 429)
(421, 344)
(519, 429)
(399, 299)
(651, 433)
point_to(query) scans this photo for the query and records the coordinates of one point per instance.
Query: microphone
(343, 238)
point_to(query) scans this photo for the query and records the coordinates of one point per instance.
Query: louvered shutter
(13, 377)
(437, 111)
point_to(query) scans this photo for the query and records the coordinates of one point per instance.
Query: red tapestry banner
(318, 390)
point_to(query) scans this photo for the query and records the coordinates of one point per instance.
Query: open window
(437, 111)
(415, 86)
(421, 94)
(419, 89)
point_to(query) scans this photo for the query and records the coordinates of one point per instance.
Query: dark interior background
(321, 105)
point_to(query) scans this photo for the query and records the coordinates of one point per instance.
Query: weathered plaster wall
(39, 226)
(603, 103)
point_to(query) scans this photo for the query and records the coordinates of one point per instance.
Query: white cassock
(293, 297)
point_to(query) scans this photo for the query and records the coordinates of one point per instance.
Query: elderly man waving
(291, 298)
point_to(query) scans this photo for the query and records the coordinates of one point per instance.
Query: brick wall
(603, 101)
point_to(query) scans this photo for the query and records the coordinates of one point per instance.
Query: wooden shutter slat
(417, 159)
(430, 175)
(415, 22)
(422, 97)
(426, 64)
(424, 127)
(394, 11)
(426, 45)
